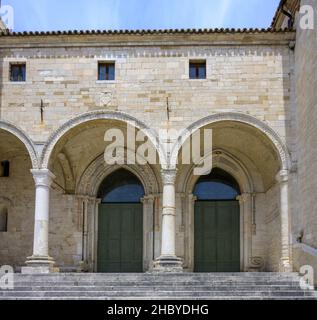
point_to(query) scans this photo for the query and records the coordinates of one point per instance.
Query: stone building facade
(53, 124)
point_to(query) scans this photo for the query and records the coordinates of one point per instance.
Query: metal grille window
(17, 72)
(106, 71)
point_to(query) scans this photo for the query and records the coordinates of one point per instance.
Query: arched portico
(89, 117)
(17, 157)
(255, 155)
(74, 157)
(280, 147)
(24, 139)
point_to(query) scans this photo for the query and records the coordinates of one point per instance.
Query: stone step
(155, 288)
(139, 286)
(63, 278)
(154, 279)
(253, 298)
(156, 275)
(171, 294)
(157, 283)
(193, 286)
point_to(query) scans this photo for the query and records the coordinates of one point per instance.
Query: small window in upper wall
(17, 72)
(106, 71)
(197, 70)
(3, 219)
(5, 169)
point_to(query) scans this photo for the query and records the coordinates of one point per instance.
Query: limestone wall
(273, 225)
(252, 79)
(16, 244)
(306, 84)
(248, 77)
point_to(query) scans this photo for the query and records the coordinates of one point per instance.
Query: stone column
(148, 243)
(168, 262)
(282, 178)
(244, 230)
(190, 233)
(40, 261)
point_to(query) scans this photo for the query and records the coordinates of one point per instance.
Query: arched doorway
(120, 223)
(217, 223)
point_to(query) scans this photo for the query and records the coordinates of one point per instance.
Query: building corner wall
(306, 100)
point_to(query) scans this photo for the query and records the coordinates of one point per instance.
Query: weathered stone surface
(250, 99)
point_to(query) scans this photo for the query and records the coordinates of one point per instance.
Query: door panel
(217, 236)
(120, 238)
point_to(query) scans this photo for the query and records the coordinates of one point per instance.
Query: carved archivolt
(98, 170)
(23, 137)
(227, 162)
(280, 147)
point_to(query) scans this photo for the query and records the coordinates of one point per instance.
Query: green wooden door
(217, 236)
(120, 238)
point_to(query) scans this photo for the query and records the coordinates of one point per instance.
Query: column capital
(43, 177)
(282, 176)
(169, 176)
(243, 197)
(192, 197)
(148, 199)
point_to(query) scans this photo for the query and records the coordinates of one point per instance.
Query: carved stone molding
(100, 115)
(256, 263)
(68, 172)
(243, 197)
(23, 137)
(98, 170)
(43, 177)
(282, 176)
(227, 163)
(105, 98)
(281, 148)
(169, 176)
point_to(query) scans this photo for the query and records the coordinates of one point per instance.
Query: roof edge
(8, 33)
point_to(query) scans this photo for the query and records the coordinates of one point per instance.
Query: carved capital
(148, 199)
(43, 177)
(169, 176)
(192, 198)
(243, 197)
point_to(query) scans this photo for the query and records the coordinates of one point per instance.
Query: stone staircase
(148, 286)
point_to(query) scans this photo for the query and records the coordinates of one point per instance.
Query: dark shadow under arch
(121, 186)
(218, 185)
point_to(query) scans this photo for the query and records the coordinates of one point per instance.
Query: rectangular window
(5, 169)
(17, 72)
(3, 219)
(106, 71)
(197, 70)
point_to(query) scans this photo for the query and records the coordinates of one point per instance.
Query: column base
(285, 265)
(170, 264)
(38, 264)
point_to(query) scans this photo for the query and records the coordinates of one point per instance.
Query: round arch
(99, 115)
(24, 138)
(280, 147)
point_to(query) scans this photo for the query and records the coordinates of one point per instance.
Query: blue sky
(140, 14)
